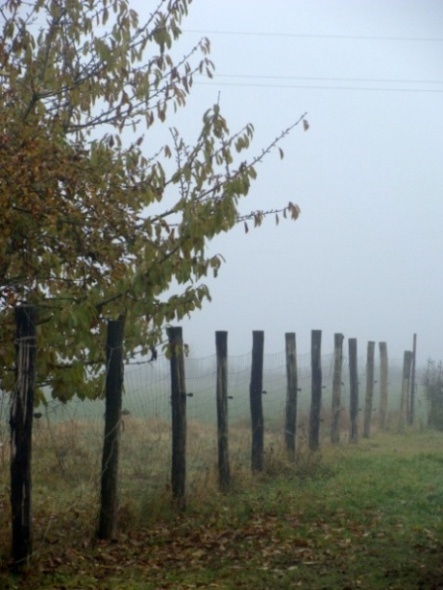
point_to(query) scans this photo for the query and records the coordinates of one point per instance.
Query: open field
(352, 517)
(366, 516)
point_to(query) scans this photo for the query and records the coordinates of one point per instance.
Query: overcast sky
(365, 257)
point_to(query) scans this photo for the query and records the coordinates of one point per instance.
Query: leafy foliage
(94, 222)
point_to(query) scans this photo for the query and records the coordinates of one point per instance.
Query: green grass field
(368, 516)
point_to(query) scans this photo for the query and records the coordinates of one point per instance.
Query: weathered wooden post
(353, 388)
(316, 390)
(336, 388)
(256, 402)
(412, 385)
(221, 344)
(291, 394)
(21, 435)
(404, 404)
(178, 405)
(383, 415)
(107, 525)
(369, 390)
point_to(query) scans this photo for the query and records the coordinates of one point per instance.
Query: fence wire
(68, 437)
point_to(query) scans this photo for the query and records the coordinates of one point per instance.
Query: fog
(364, 258)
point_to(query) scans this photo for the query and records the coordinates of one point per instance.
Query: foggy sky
(365, 257)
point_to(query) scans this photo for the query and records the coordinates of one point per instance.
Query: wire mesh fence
(73, 431)
(68, 437)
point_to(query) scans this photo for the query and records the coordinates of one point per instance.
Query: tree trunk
(21, 435)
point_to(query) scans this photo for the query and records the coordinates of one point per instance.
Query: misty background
(364, 258)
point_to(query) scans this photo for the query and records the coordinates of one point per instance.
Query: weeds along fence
(71, 434)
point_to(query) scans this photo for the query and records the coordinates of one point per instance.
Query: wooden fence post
(291, 394)
(336, 388)
(383, 415)
(404, 404)
(369, 390)
(353, 388)
(316, 390)
(221, 344)
(107, 525)
(412, 385)
(21, 435)
(178, 404)
(256, 402)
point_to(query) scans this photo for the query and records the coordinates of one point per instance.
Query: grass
(366, 516)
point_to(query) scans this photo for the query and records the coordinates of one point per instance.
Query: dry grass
(67, 464)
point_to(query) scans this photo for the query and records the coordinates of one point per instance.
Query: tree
(94, 223)
(433, 384)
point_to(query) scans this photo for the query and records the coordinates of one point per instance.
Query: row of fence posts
(178, 399)
(24, 394)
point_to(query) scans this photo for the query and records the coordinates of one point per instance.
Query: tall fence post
(369, 390)
(412, 385)
(336, 388)
(291, 394)
(256, 402)
(178, 405)
(383, 415)
(404, 404)
(353, 389)
(107, 525)
(316, 390)
(221, 344)
(21, 435)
